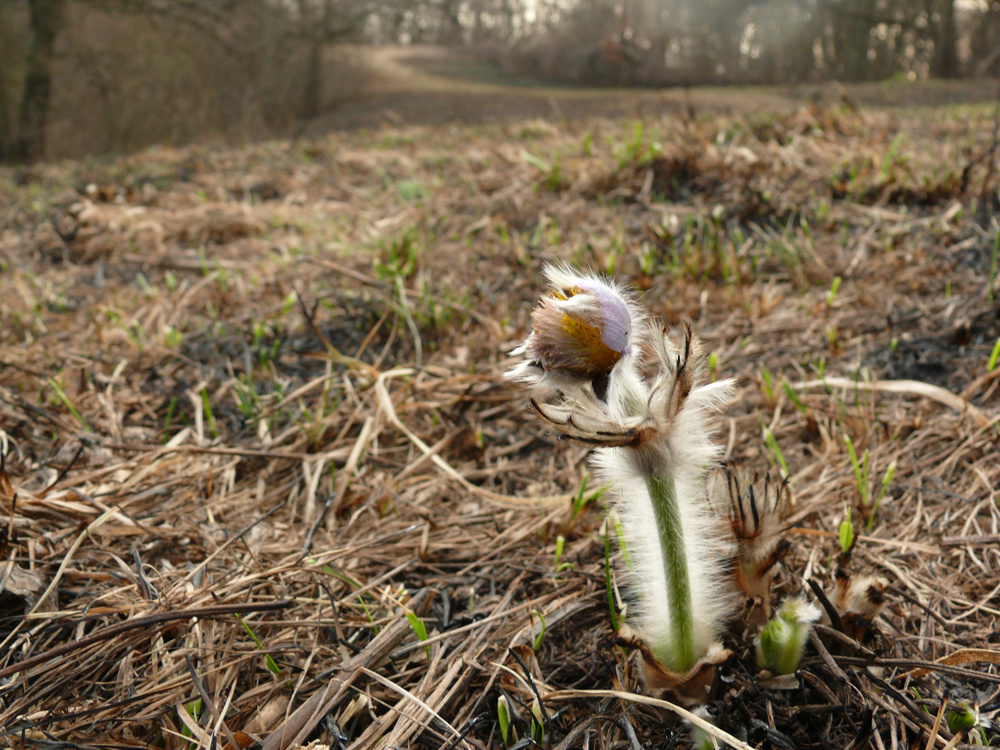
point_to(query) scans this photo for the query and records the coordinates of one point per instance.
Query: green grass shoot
(994, 356)
(539, 164)
(419, 628)
(860, 469)
(834, 288)
(206, 404)
(330, 571)
(768, 383)
(503, 718)
(272, 665)
(64, 399)
(794, 397)
(772, 442)
(541, 633)
(583, 498)
(168, 419)
(560, 546)
(537, 723)
(607, 580)
(193, 709)
(173, 338)
(846, 534)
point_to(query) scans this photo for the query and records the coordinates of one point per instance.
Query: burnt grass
(271, 487)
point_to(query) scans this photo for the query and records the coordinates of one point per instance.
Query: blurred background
(80, 77)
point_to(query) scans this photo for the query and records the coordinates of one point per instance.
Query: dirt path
(434, 86)
(425, 85)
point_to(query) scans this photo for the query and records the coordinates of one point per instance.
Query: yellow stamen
(600, 357)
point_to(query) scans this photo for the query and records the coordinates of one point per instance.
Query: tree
(945, 64)
(44, 21)
(25, 111)
(322, 22)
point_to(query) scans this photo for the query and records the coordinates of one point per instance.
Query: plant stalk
(680, 654)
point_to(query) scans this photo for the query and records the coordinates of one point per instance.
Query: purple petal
(617, 321)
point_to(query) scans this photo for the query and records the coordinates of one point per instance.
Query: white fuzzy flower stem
(680, 654)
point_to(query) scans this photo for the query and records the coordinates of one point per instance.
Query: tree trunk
(945, 45)
(314, 79)
(45, 20)
(6, 138)
(849, 41)
(451, 31)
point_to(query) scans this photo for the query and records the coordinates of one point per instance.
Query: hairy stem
(680, 654)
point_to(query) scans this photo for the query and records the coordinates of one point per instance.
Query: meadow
(272, 485)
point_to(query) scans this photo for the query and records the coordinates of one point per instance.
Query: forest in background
(84, 77)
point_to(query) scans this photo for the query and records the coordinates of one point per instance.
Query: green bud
(538, 725)
(961, 719)
(783, 639)
(503, 717)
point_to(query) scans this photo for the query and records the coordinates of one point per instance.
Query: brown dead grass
(223, 401)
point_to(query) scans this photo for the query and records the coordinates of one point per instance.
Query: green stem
(679, 655)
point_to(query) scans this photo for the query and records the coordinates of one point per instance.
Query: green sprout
(994, 356)
(846, 533)
(783, 639)
(269, 661)
(834, 288)
(966, 718)
(560, 546)
(168, 419)
(503, 718)
(537, 644)
(582, 498)
(772, 442)
(419, 628)
(537, 723)
(860, 469)
(768, 383)
(173, 338)
(193, 709)
(794, 397)
(209, 416)
(64, 399)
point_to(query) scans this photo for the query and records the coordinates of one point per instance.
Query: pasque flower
(600, 372)
(783, 639)
(580, 329)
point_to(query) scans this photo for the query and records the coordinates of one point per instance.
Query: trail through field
(425, 85)
(434, 86)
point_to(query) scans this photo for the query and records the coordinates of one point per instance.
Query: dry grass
(258, 427)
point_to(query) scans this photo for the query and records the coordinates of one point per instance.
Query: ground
(270, 482)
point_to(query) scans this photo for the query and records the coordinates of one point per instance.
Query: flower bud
(581, 328)
(783, 639)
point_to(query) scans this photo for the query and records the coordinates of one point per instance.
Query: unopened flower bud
(863, 595)
(581, 328)
(783, 639)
